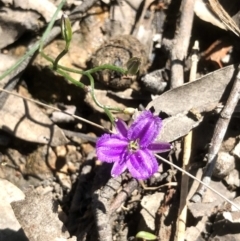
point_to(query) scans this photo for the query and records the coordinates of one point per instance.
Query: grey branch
(218, 135)
(180, 47)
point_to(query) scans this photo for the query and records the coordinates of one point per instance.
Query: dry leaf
(202, 95)
(7, 61)
(38, 216)
(26, 121)
(9, 226)
(13, 23)
(19, 16)
(45, 8)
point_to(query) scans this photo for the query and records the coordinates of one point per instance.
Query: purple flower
(133, 148)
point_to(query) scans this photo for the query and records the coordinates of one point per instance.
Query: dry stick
(218, 135)
(145, 6)
(180, 48)
(81, 9)
(123, 195)
(128, 190)
(101, 201)
(186, 159)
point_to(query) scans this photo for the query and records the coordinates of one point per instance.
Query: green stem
(55, 64)
(50, 25)
(94, 98)
(93, 70)
(68, 77)
(92, 91)
(106, 66)
(19, 62)
(106, 110)
(76, 71)
(110, 116)
(47, 57)
(81, 85)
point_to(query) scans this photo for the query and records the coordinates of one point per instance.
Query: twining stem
(68, 77)
(107, 66)
(46, 57)
(67, 36)
(90, 71)
(55, 64)
(94, 98)
(105, 108)
(59, 69)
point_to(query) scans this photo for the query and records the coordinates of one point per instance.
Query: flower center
(133, 146)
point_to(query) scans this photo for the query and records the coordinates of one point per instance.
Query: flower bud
(133, 65)
(66, 28)
(146, 235)
(129, 110)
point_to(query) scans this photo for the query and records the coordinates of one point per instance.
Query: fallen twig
(180, 47)
(123, 195)
(218, 135)
(101, 201)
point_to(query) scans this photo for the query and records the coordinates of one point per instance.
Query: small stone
(233, 179)
(224, 165)
(150, 205)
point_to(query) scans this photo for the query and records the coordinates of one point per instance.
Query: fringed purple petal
(159, 147)
(121, 127)
(142, 164)
(110, 148)
(120, 166)
(145, 128)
